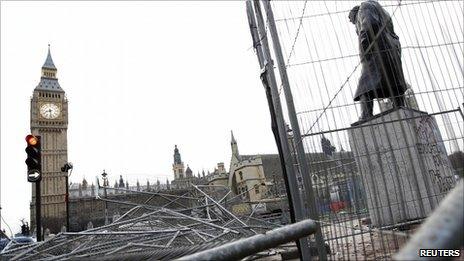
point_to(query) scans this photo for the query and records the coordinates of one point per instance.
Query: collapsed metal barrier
(148, 232)
(254, 244)
(442, 230)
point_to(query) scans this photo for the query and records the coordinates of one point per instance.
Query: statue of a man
(380, 52)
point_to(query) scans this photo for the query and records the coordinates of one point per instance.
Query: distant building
(219, 177)
(183, 179)
(251, 175)
(86, 209)
(259, 178)
(82, 190)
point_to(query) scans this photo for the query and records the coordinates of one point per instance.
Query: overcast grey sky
(140, 78)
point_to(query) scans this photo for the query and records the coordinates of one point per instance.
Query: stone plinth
(403, 161)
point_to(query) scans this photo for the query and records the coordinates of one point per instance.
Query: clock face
(49, 111)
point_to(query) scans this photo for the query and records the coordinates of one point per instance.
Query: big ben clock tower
(49, 119)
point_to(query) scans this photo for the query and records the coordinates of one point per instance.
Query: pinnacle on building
(178, 165)
(48, 79)
(234, 146)
(188, 172)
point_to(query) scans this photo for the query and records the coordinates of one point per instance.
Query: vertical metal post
(67, 202)
(304, 169)
(275, 131)
(105, 184)
(266, 63)
(67, 168)
(38, 212)
(38, 198)
(106, 205)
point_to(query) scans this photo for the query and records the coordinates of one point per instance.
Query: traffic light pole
(34, 175)
(38, 214)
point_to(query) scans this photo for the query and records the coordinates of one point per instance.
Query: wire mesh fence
(383, 185)
(373, 179)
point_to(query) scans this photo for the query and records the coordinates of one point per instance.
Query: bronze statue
(380, 52)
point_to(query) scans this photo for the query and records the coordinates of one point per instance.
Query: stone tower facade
(49, 119)
(178, 165)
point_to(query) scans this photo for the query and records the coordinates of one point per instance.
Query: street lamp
(67, 167)
(105, 184)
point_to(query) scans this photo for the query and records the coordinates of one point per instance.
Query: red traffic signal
(33, 161)
(32, 140)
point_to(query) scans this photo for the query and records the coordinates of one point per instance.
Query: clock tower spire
(49, 65)
(49, 119)
(48, 79)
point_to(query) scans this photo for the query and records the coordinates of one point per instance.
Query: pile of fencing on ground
(150, 232)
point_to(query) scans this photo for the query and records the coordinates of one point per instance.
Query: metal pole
(106, 204)
(67, 202)
(265, 58)
(442, 230)
(303, 164)
(262, 64)
(248, 246)
(38, 214)
(68, 167)
(259, 53)
(105, 184)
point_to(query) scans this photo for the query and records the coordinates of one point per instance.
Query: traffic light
(33, 161)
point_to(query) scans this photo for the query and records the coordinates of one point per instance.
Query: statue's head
(353, 14)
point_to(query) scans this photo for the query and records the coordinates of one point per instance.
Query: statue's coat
(382, 73)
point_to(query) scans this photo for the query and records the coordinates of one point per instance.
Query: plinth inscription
(428, 146)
